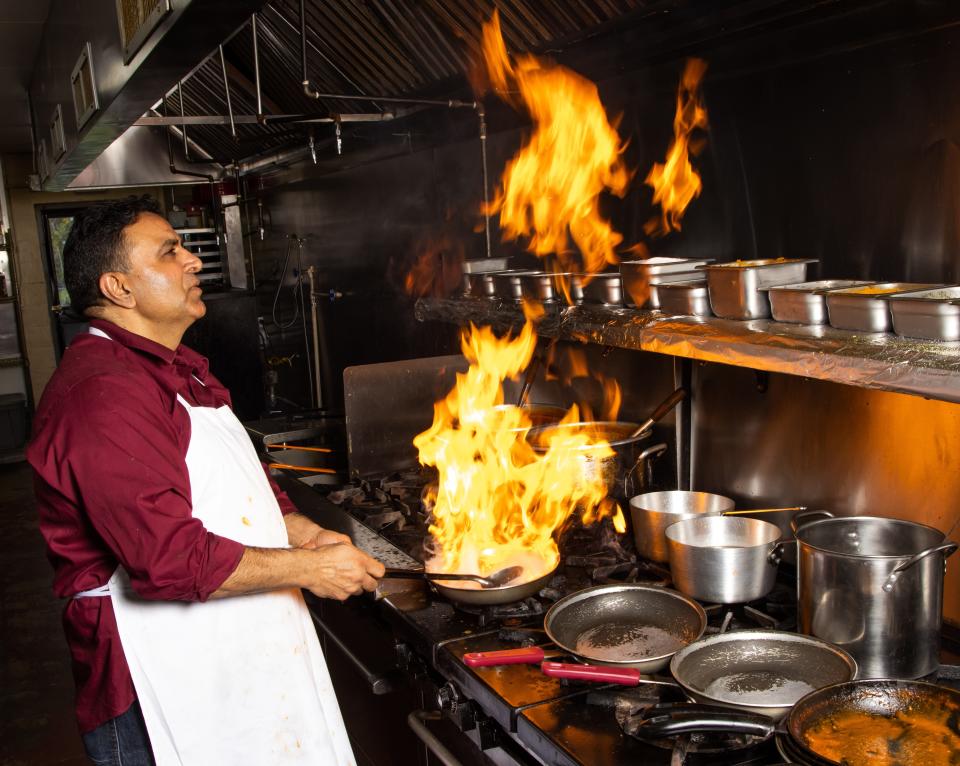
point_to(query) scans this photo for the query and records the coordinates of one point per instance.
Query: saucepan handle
(672, 724)
(776, 553)
(795, 521)
(947, 548)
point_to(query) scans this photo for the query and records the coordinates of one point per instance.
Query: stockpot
(874, 587)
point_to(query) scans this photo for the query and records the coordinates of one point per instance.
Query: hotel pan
(854, 309)
(638, 276)
(806, 302)
(507, 285)
(930, 314)
(545, 287)
(605, 288)
(481, 265)
(737, 288)
(685, 298)
(481, 284)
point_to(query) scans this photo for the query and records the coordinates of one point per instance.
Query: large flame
(675, 183)
(551, 189)
(499, 502)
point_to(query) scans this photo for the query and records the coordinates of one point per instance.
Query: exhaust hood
(102, 64)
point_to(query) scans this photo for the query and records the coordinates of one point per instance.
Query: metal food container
(867, 309)
(544, 287)
(603, 288)
(480, 266)
(507, 285)
(806, 302)
(931, 314)
(638, 277)
(481, 285)
(737, 288)
(685, 298)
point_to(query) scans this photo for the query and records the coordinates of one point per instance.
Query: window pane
(58, 229)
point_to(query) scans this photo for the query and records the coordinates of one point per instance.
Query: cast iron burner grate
(776, 611)
(493, 614)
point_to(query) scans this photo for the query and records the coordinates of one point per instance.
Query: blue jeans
(121, 741)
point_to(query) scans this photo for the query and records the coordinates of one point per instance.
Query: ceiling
(21, 27)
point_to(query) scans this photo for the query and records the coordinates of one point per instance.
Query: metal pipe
(226, 88)
(416, 721)
(183, 124)
(311, 274)
(303, 318)
(153, 120)
(256, 65)
(482, 116)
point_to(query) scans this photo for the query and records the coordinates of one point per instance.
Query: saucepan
(883, 722)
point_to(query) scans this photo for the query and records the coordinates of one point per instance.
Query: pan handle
(795, 521)
(674, 723)
(948, 549)
(606, 674)
(776, 553)
(528, 655)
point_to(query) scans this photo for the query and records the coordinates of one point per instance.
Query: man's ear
(113, 286)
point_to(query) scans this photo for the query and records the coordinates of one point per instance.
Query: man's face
(162, 275)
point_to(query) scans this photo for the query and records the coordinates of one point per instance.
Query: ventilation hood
(102, 64)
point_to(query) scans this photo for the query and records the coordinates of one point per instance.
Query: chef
(181, 559)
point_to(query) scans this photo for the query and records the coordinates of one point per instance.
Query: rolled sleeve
(132, 476)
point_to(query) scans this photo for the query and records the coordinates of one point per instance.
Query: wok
(627, 625)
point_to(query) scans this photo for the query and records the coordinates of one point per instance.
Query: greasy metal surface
(652, 512)
(620, 624)
(886, 362)
(879, 697)
(765, 671)
(388, 404)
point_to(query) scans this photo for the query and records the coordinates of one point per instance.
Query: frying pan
(878, 721)
(505, 594)
(627, 625)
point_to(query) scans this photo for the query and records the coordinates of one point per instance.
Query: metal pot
(652, 512)
(505, 594)
(626, 472)
(724, 559)
(874, 587)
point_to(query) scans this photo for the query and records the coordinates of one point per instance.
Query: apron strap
(103, 590)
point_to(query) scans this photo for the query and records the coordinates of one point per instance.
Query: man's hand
(340, 570)
(303, 533)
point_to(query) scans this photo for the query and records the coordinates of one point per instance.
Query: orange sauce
(911, 737)
(874, 290)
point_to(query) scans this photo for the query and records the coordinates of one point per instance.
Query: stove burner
(511, 614)
(776, 611)
(643, 572)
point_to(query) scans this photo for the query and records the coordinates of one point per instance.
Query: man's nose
(193, 263)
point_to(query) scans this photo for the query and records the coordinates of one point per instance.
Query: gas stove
(555, 721)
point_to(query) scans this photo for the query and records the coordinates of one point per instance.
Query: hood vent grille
(137, 19)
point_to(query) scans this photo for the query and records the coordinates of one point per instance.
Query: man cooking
(182, 560)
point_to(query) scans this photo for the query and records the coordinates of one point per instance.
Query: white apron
(235, 681)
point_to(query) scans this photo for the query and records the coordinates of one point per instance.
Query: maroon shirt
(109, 454)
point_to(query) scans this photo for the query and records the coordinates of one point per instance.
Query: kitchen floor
(37, 726)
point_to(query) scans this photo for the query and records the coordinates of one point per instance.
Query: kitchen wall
(835, 139)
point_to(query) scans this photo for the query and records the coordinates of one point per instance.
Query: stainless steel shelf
(881, 361)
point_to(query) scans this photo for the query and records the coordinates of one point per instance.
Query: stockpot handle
(776, 553)
(948, 549)
(654, 451)
(795, 521)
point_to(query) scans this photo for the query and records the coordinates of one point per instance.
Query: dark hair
(95, 246)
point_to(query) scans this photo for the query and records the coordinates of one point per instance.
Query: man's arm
(331, 571)
(304, 533)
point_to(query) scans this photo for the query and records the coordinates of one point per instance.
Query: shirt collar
(185, 359)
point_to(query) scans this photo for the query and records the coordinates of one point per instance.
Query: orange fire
(551, 189)
(675, 183)
(499, 502)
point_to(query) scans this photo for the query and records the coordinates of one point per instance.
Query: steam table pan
(481, 266)
(737, 288)
(931, 314)
(806, 302)
(545, 287)
(685, 298)
(867, 309)
(639, 278)
(507, 285)
(602, 288)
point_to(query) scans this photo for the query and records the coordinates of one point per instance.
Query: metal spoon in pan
(494, 580)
